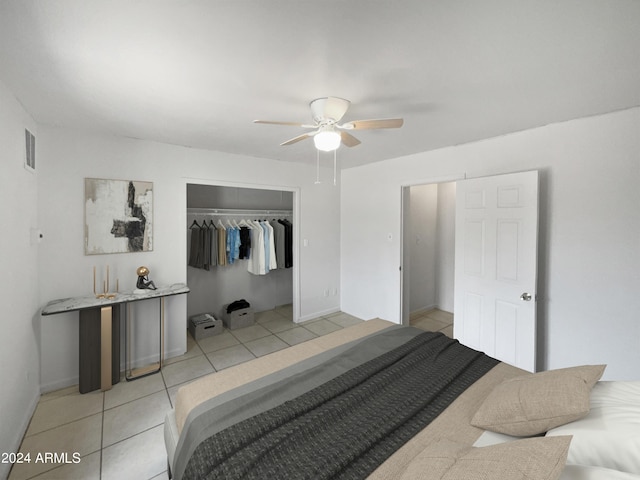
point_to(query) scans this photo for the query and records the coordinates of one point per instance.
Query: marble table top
(90, 301)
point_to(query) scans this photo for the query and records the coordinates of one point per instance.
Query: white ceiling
(198, 73)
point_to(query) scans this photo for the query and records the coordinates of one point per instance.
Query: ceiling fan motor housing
(328, 110)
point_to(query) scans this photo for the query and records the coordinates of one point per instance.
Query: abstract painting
(118, 216)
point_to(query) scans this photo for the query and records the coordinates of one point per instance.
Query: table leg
(135, 373)
(106, 316)
(99, 348)
(161, 331)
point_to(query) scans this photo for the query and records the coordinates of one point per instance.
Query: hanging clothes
(202, 245)
(205, 235)
(288, 242)
(271, 257)
(213, 244)
(229, 229)
(266, 245)
(195, 246)
(278, 235)
(209, 239)
(267, 248)
(244, 250)
(222, 243)
(256, 264)
(233, 243)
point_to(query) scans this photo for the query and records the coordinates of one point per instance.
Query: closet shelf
(237, 212)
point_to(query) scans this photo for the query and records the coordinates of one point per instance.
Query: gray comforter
(337, 415)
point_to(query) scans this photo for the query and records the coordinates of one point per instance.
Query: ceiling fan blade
(296, 139)
(371, 124)
(293, 124)
(349, 140)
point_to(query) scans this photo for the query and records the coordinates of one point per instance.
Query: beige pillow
(526, 459)
(533, 404)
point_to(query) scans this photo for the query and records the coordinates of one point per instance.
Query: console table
(99, 333)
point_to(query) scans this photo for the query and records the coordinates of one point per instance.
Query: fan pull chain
(317, 167)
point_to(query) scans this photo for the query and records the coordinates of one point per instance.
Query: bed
(381, 401)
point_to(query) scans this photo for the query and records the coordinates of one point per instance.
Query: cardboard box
(204, 325)
(240, 318)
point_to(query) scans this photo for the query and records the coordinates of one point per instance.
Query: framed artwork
(118, 216)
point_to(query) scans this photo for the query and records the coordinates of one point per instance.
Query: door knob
(525, 297)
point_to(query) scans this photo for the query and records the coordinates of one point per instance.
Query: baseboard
(329, 311)
(424, 309)
(149, 359)
(58, 384)
(67, 382)
(141, 362)
(177, 352)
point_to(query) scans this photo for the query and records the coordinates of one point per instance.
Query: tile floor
(433, 320)
(118, 434)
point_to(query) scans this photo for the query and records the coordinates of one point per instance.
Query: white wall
(431, 246)
(446, 237)
(67, 157)
(19, 357)
(423, 246)
(589, 241)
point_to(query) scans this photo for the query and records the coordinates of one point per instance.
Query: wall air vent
(30, 150)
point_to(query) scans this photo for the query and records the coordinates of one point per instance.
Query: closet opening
(246, 272)
(428, 253)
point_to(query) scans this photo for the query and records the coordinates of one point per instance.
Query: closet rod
(236, 212)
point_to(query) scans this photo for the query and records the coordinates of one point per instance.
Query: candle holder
(98, 295)
(105, 287)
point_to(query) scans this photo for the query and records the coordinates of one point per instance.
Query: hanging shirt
(236, 243)
(206, 245)
(288, 242)
(244, 250)
(267, 247)
(214, 243)
(233, 239)
(272, 247)
(222, 245)
(195, 246)
(257, 263)
(278, 235)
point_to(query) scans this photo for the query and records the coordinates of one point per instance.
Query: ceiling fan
(329, 134)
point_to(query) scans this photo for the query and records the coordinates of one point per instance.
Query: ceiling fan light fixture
(327, 140)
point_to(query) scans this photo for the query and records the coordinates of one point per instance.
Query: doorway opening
(485, 256)
(428, 252)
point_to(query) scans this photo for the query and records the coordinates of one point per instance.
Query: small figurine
(143, 282)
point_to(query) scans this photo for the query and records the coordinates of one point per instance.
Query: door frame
(405, 209)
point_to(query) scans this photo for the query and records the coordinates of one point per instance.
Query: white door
(495, 266)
